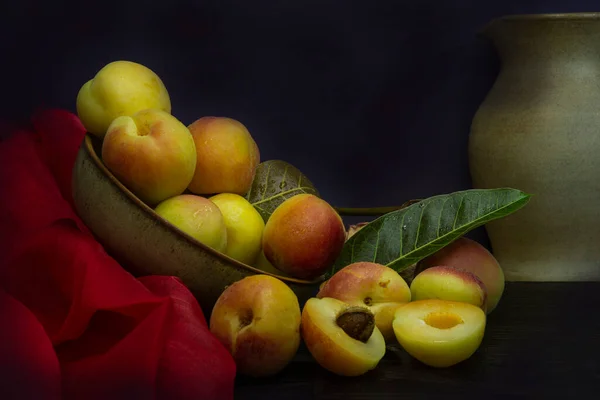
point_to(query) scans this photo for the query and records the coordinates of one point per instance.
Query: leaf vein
(462, 199)
(280, 194)
(266, 183)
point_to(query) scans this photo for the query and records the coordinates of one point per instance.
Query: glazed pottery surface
(538, 130)
(146, 244)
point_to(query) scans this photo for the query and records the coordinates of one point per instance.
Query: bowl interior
(93, 145)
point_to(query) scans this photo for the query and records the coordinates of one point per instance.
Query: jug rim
(551, 16)
(548, 17)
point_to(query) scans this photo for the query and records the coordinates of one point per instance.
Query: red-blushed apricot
(449, 283)
(467, 254)
(304, 236)
(227, 156)
(151, 153)
(379, 288)
(258, 320)
(439, 333)
(341, 338)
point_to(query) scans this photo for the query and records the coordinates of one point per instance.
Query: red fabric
(73, 323)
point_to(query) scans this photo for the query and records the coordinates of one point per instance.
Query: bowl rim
(88, 146)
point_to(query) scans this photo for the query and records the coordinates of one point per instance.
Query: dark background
(372, 100)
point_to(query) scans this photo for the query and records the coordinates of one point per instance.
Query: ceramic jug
(538, 130)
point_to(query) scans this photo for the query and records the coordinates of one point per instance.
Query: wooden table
(541, 342)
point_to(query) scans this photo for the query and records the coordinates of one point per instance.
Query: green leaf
(274, 182)
(403, 237)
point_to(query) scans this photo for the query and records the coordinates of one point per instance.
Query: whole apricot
(467, 254)
(304, 236)
(258, 320)
(198, 217)
(449, 283)
(119, 88)
(227, 156)
(152, 153)
(244, 227)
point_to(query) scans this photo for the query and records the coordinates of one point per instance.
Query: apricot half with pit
(377, 287)
(342, 338)
(439, 333)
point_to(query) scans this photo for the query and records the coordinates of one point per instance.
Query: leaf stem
(372, 211)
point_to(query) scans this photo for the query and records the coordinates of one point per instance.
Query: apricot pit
(357, 322)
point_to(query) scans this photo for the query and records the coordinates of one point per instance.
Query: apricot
(341, 338)
(258, 320)
(304, 236)
(198, 217)
(449, 283)
(119, 88)
(353, 229)
(372, 285)
(263, 264)
(152, 153)
(467, 254)
(439, 333)
(227, 156)
(244, 227)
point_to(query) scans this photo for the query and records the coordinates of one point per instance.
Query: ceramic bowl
(146, 244)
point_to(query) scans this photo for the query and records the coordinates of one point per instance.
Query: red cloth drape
(73, 323)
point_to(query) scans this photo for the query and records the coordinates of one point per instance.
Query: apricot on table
(119, 88)
(342, 338)
(304, 236)
(377, 287)
(470, 255)
(198, 217)
(258, 320)
(449, 283)
(439, 333)
(227, 156)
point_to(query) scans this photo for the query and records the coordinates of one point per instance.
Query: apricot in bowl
(144, 243)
